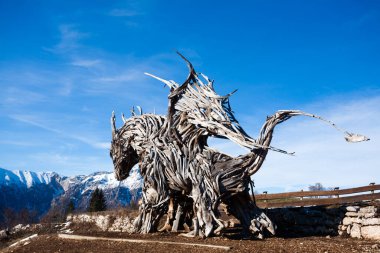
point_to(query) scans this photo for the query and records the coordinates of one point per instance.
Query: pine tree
(70, 208)
(97, 201)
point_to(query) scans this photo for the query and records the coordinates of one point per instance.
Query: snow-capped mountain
(79, 188)
(42, 192)
(25, 178)
(102, 180)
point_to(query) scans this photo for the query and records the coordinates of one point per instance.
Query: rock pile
(361, 222)
(19, 229)
(104, 222)
(4, 233)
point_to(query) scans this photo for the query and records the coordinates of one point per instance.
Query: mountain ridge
(39, 193)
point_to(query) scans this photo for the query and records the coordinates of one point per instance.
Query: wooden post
(372, 191)
(335, 189)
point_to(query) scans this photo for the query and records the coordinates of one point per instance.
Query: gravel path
(155, 243)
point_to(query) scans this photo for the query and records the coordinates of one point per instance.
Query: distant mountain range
(37, 193)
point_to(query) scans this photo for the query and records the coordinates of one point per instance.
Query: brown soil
(51, 243)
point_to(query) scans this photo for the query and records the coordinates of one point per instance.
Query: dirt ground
(51, 243)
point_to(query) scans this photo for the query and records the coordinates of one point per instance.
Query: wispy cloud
(18, 143)
(128, 13)
(127, 79)
(322, 154)
(123, 13)
(66, 87)
(86, 63)
(13, 96)
(91, 142)
(129, 75)
(69, 39)
(66, 164)
(44, 124)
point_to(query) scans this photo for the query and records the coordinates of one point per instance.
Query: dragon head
(122, 152)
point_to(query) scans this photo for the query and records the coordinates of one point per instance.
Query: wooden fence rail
(309, 198)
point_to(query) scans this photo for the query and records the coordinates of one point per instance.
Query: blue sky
(66, 65)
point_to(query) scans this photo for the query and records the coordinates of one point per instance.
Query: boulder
(83, 218)
(103, 222)
(371, 221)
(19, 228)
(116, 225)
(355, 231)
(4, 233)
(368, 209)
(352, 214)
(121, 224)
(370, 215)
(352, 208)
(371, 232)
(349, 221)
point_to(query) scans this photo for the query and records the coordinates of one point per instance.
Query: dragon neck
(257, 156)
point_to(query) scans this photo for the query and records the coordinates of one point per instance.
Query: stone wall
(355, 221)
(112, 223)
(361, 222)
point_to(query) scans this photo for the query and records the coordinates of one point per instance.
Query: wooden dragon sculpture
(183, 177)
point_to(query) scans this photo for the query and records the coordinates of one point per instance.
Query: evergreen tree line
(58, 214)
(97, 201)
